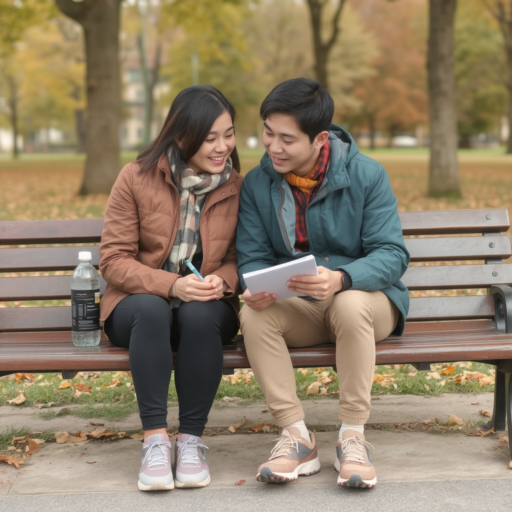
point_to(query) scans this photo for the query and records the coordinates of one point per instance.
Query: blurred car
(404, 141)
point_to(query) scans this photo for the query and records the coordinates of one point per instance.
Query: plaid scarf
(193, 189)
(304, 190)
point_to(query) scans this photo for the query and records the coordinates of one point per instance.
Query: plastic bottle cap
(84, 256)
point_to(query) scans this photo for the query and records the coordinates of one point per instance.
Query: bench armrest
(502, 294)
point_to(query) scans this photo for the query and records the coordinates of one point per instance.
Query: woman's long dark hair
(189, 121)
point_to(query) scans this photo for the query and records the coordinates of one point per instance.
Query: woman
(177, 202)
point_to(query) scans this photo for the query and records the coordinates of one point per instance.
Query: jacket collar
(343, 149)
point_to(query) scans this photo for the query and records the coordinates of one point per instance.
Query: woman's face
(216, 148)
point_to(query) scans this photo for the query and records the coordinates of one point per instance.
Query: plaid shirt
(302, 200)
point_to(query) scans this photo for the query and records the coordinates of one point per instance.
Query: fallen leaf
(328, 380)
(32, 447)
(12, 460)
(66, 437)
(122, 374)
(474, 375)
(323, 391)
(83, 388)
(44, 406)
(455, 420)
(264, 410)
(20, 377)
(20, 399)
(485, 413)
(114, 383)
(475, 403)
(426, 387)
(489, 379)
(434, 375)
(91, 462)
(20, 439)
(138, 437)
(265, 429)
(448, 370)
(44, 383)
(39, 441)
(92, 424)
(481, 433)
(260, 426)
(232, 430)
(313, 388)
(65, 384)
(304, 371)
(240, 482)
(99, 433)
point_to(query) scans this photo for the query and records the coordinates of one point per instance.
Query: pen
(194, 270)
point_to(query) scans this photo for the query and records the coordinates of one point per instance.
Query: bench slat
(448, 308)
(39, 288)
(455, 221)
(52, 318)
(459, 248)
(50, 231)
(456, 276)
(59, 353)
(32, 259)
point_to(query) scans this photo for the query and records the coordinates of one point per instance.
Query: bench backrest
(450, 250)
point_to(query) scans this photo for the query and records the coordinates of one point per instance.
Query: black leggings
(147, 326)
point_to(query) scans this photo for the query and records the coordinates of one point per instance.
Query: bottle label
(85, 310)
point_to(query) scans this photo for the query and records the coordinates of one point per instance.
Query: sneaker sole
(157, 486)
(306, 469)
(354, 480)
(190, 484)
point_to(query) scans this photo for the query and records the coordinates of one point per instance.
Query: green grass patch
(108, 412)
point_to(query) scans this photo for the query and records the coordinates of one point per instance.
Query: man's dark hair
(304, 99)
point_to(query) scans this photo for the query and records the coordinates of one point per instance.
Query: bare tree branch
(335, 25)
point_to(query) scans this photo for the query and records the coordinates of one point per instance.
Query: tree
(394, 97)
(502, 12)
(100, 20)
(322, 49)
(479, 70)
(444, 170)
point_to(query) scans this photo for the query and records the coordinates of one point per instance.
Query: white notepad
(274, 279)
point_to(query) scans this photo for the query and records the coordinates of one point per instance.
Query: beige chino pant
(354, 320)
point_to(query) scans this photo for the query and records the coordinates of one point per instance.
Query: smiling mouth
(278, 160)
(216, 159)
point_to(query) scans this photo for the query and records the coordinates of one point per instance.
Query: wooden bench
(440, 329)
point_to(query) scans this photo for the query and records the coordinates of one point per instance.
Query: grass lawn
(44, 187)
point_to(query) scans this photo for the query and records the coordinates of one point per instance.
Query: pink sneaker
(155, 474)
(191, 467)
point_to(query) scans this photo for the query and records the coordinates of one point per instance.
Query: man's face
(289, 147)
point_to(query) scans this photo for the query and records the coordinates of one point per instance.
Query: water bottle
(85, 303)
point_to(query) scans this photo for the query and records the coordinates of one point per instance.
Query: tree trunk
(322, 50)
(81, 138)
(444, 171)
(13, 114)
(371, 127)
(100, 20)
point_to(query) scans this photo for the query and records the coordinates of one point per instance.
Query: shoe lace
(284, 445)
(188, 452)
(156, 455)
(353, 448)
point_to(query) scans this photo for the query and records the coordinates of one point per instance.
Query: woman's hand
(191, 288)
(219, 283)
(259, 301)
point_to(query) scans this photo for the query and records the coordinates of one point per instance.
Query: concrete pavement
(416, 470)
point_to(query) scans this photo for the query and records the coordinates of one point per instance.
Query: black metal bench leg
(508, 389)
(499, 415)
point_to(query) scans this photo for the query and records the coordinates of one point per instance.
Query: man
(314, 193)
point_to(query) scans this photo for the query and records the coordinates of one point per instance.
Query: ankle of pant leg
(284, 418)
(351, 419)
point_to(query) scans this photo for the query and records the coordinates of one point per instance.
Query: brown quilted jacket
(141, 222)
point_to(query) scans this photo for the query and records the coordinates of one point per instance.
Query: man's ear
(321, 139)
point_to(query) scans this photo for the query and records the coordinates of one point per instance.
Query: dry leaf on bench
(11, 460)
(240, 482)
(20, 399)
(455, 420)
(313, 388)
(485, 413)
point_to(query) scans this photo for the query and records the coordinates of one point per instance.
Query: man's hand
(320, 287)
(191, 288)
(259, 301)
(219, 283)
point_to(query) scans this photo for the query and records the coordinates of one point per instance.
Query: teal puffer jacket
(352, 222)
